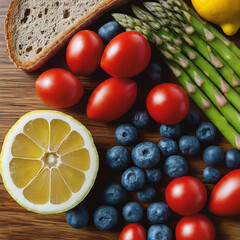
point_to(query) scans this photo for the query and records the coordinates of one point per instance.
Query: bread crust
(52, 49)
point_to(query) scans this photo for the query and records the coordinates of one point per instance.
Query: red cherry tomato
(59, 88)
(225, 197)
(196, 227)
(133, 231)
(84, 52)
(186, 195)
(167, 103)
(127, 55)
(111, 99)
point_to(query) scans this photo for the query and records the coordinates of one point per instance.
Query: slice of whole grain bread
(36, 29)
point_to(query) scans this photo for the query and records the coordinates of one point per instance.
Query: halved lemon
(48, 162)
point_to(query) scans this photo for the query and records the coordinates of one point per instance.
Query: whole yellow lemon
(225, 13)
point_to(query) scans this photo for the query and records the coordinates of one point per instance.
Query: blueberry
(232, 158)
(153, 175)
(77, 217)
(189, 145)
(133, 179)
(173, 131)
(114, 194)
(154, 73)
(118, 158)
(105, 218)
(192, 119)
(146, 155)
(141, 119)
(126, 134)
(133, 212)
(176, 166)
(206, 132)
(168, 147)
(109, 30)
(213, 155)
(158, 212)
(159, 232)
(147, 194)
(211, 174)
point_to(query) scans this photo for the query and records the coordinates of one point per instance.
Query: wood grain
(18, 96)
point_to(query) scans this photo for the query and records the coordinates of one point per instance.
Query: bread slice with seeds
(35, 30)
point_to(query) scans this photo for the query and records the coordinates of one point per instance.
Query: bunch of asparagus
(206, 64)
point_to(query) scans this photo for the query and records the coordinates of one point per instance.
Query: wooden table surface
(18, 96)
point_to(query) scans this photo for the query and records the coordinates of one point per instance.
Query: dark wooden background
(18, 96)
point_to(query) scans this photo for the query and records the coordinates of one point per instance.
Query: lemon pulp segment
(73, 142)
(74, 159)
(37, 191)
(70, 175)
(38, 130)
(59, 130)
(24, 147)
(24, 170)
(60, 192)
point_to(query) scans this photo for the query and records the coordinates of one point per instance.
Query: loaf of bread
(36, 29)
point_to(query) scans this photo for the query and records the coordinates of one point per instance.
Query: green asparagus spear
(208, 36)
(202, 102)
(193, 71)
(203, 47)
(227, 130)
(209, 71)
(181, 4)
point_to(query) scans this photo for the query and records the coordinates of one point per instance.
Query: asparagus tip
(236, 83)
(116, 16)
(135, 7)
(237, 141)
(120, 18)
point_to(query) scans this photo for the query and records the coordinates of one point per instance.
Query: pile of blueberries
(146, 155)
(141, 168)
(147, 159)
